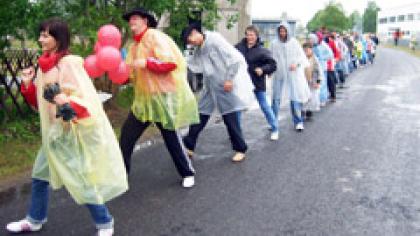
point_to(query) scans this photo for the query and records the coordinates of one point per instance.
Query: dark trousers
(341, 76)
(133, 129)
(331, 80)
(233, 127)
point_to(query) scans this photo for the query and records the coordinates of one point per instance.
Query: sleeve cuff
(160, 67)
(29, 93)
(81, 112)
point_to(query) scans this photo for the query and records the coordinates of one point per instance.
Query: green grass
(20, 140)
(125, 97)
(20, 137)
(405, 49)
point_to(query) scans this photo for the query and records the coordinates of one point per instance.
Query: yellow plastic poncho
(82, 156)
(161, 97)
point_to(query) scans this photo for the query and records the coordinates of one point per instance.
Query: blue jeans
(39, 205)
(267, 110)
(275, 106)
(296, 109)
(277, 85)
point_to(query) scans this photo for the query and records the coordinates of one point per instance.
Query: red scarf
(138, 37)
(47, 60)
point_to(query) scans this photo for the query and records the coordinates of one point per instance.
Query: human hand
(228, 86)
(27, 75)
(139, 63)
(292, 67)
(61, 99)
(259, 71)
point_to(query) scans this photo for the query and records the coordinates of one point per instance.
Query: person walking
(314, 77)
(290, 76)
(161, 92)
(79, 149)
(260, 65)
(227, 85)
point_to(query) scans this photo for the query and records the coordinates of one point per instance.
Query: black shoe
(309, 115)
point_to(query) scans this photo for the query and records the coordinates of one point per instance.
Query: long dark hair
(59, 30)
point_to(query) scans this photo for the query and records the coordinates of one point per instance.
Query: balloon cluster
(107, 57)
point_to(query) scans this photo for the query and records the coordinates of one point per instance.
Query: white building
(405, 18)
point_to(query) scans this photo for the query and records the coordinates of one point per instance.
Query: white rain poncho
(314, 73)
(295, 87)
(219, 61)
(82, 155)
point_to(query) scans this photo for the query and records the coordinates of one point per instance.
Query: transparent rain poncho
(82, 155)
(165, 98)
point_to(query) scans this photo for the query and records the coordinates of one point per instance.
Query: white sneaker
(23, 226)
(106, 232)
(299, 127)
(323, 104)
(188, 182)
(274, 135)
(238, 157)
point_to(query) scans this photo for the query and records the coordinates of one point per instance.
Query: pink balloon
(97, 47)
(108, 58)
(109, 35)
(120, 75)
(91, 68)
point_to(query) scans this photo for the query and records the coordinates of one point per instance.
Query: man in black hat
(162, 94)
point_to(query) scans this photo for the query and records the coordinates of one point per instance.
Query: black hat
(151, 20)
(187, 31)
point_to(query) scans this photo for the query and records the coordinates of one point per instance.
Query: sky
(303, 10)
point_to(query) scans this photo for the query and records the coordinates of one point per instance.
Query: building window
(401, 18)
(392, 19)
(418, 16)
(410, 17)
(383, 21)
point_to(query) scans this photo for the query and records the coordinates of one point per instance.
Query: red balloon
(120, 75)
(97, 47)
(108, 58)
(109, 35)
(91, 68)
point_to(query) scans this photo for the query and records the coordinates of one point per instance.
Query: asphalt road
(355, 170)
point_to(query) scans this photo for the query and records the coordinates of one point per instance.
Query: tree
(332, 17)
(354, 19)
(369, 17)
(86, 16)
(14, 13)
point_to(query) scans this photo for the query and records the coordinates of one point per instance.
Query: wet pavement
(355, 170)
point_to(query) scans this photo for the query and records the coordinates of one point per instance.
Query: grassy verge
(405, 49)
(19, 143)
(20, 137)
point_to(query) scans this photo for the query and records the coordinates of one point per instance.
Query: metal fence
(11, 62)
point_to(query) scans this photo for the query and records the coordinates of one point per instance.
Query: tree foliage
(86, 16)
(332, 17)
(369, 17)
(355, 19)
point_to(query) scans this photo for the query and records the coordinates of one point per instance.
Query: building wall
(406, 18)
(236, 33)
(268, 28)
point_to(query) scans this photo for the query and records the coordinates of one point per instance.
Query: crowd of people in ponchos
(79, 149)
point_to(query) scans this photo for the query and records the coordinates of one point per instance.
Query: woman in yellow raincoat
(79, 148)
